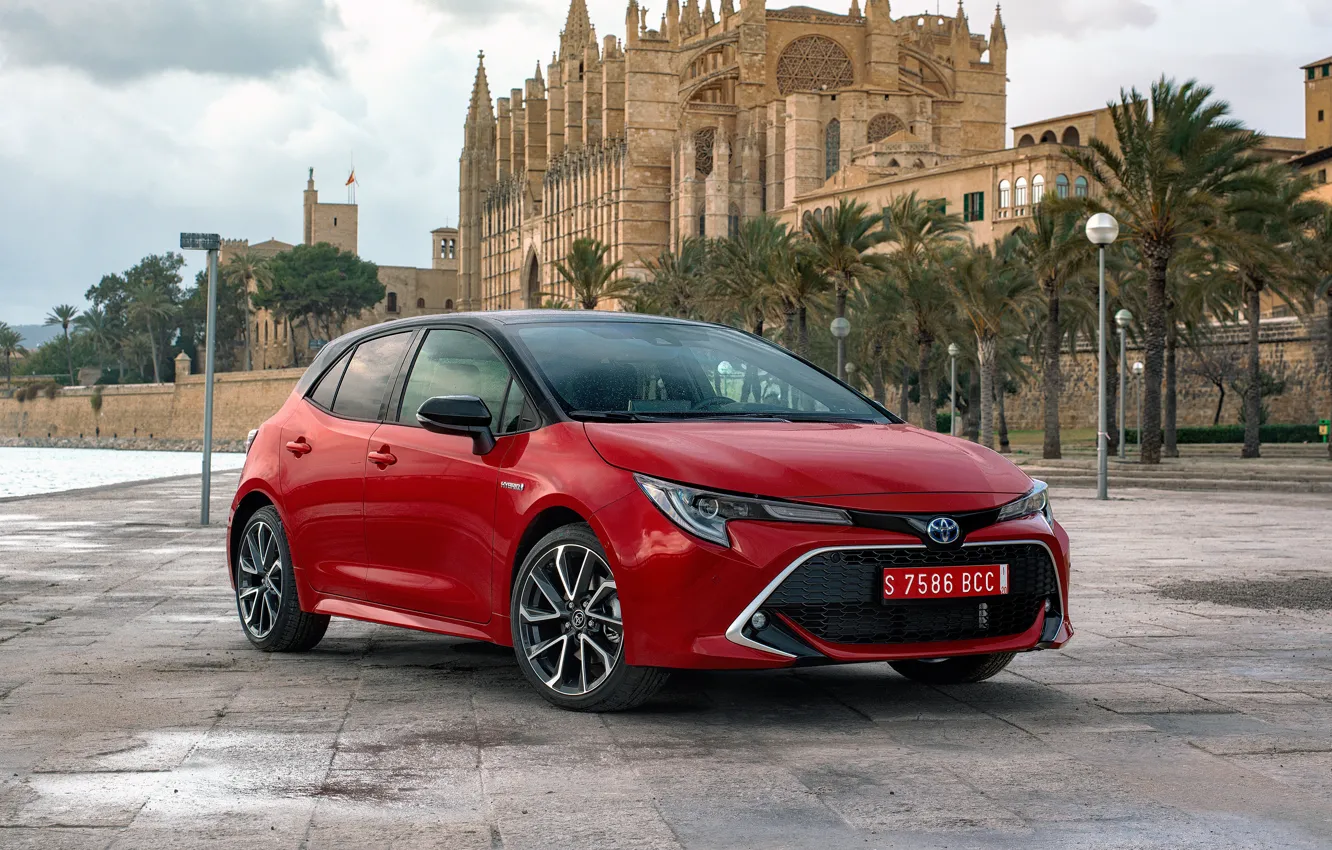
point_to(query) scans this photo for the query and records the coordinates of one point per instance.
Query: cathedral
(719, 115)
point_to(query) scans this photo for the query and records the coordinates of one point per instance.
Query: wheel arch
(545, 521)
(250, 503)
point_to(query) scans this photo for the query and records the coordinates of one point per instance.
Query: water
(28, 471)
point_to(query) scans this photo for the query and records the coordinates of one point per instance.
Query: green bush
(943, 423)
(1235, 434)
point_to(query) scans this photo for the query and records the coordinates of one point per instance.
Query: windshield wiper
(606, 416)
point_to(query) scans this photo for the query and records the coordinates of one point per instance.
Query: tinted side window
(368, 375)
(327, 387)
(518, 412)
(455, 363)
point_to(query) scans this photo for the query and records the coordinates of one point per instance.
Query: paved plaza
(1192, 710)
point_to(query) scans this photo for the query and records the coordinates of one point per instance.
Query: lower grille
(837, 596)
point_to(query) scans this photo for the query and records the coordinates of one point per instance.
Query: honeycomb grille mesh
(837, 597)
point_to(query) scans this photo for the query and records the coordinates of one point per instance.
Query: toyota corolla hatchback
(618, 496)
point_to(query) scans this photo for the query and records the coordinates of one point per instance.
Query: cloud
(131, 39)
(474, 12)
(1079, 17)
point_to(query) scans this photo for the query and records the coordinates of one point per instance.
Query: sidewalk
(1286, 468)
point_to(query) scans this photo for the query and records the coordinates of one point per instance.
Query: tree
(149, 309)
(592, 280)
(840, 245)
(318, 288)
(11, 346)
(95, 324)
(919, 233)
(63, 315)
(750, 270)
(990, 290)
(676, 284)
(244, 272)
(884, 329)
(1177, 159)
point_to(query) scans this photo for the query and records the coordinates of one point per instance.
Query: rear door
(430, 513)
(322, 471)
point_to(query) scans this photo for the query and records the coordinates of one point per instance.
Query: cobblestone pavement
(134, 715)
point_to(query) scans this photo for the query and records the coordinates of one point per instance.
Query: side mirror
(460, 416)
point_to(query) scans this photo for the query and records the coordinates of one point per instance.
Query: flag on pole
(352, 178)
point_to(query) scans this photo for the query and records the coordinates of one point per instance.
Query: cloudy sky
(124, 122)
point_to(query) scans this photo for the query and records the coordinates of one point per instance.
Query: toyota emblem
(944, 530)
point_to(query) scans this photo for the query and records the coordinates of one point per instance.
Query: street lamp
(212, 243)
(1102, 230)
(1123, 318)
(841, 329)
(1138, 369)
(953, 352)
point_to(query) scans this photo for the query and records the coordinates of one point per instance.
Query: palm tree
(11, 346)
(750, 269)
(147, 305)
(63, 315)
(841, 244)
(884, 331)
(136, 348)
(95, 324)
(677, 282)
(1177, 159)
(247, 270)
(990, 289)
(919, 234)
(586, 272)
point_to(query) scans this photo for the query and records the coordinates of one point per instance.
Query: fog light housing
(759, 621)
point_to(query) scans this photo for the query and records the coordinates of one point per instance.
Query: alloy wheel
(259, 581)
(569, 620)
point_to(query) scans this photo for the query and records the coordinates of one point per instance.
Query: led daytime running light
(705, 514)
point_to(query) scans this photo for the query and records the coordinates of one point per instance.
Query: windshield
(658, 370)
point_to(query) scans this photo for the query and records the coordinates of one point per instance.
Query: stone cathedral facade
(712, 117)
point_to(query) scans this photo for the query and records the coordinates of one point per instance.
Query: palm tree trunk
(972, 421)
(1052, 381)
(1253, 393)
(789, 330)
(152, 341)
(1327, 365)
(69, 356)
(1112, 398)
(929, 417)
(986, 351)
(1171, 388)
(1004, 446)
(879, 379)
(1157, 255)
(904, 410)
(802, 325)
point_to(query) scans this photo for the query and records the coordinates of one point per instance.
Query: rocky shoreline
(122, 443)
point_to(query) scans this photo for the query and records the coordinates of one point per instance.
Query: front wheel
(567, 630)
(954, 671)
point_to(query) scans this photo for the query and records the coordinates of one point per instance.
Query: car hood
(809, 460)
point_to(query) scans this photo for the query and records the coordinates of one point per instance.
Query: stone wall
(241, 401)
(1297, 359)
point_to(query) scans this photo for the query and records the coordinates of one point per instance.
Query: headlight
(1035, 502)
(705, 514)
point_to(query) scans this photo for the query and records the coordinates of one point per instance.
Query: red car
(617, 496)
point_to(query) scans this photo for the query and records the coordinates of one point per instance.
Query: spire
(997, 35)
(727, 9)
(540, 79)
(855, 8)
(961, 15)
(708, 17)
(576, 28)
(480, 105)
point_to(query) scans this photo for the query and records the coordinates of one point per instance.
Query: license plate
(946, 582)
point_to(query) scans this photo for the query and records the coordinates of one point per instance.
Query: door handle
(299, 447)
(382, 458)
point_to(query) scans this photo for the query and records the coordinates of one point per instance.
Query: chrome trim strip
(735, 634)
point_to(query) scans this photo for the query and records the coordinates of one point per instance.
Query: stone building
(409, 291)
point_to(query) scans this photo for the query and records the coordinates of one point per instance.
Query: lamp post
(953, 352)
(1138, 369)
(1102, 230)
(1123, 318)
(212, 243)
(841, 329)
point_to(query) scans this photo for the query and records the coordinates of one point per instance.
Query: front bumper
(689, 604)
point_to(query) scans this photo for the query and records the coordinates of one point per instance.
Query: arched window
(1020, 193)
(702, 224)
(392, 304)
(448, 303)
(893, 163)
(1026, 141)
(813, 63)
(1005, 194)
(703, 142)
(1049, 138)
(827, 216)
(733, 222)
(1072, 138)
(832, 148)
(1061, 185)
(1080, 187)
(1037, 189)
(883, 125)
(920, 163)
(420, 303)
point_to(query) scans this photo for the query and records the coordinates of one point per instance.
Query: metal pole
(952, 421)
(1139, 377)
(1123, 387)
(208, 387)
(1102, 435)
(841, 359)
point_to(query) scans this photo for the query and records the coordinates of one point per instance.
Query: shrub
(1235, 434)
(96, 400)
(943, 422)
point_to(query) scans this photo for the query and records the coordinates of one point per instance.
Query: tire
(550, 633)
(963, 670)
(266, 598)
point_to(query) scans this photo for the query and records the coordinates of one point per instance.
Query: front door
(430, 503)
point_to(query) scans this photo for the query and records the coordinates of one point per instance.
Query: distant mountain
(35, 335)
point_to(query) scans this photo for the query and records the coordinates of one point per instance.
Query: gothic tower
(477, 174)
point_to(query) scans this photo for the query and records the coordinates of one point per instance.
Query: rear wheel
(954, 671)
(567, 629)
(270, 613)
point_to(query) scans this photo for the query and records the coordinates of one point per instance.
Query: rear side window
(518, 412)
(327, 387)
(455, 362)
(368, 375)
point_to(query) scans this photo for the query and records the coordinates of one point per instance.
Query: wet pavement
(133, 714)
